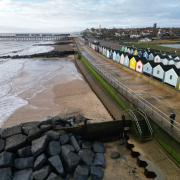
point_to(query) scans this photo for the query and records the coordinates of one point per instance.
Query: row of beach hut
(162, 67)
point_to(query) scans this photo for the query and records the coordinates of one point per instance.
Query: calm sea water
(175, 46)
(22, 79)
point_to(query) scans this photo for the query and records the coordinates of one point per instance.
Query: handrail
(146, 119)
(131, 113)
(160, 117)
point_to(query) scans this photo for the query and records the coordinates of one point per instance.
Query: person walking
(172, 119)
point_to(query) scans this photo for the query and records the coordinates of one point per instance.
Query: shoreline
(59, 99)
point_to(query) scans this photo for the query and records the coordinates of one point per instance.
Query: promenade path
(160, 97)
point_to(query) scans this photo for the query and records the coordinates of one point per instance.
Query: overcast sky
(75, 15)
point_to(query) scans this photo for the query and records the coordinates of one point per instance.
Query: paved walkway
(158, 95)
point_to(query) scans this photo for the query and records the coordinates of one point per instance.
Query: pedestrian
(172, 118)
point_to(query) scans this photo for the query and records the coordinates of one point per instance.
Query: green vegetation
(155, 46)
(171, 146)
(122, 103)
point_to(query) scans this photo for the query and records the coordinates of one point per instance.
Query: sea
(22, 79)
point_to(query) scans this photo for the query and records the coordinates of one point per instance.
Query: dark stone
(5, 174)
(23, 175)
(99, 160)
(15, 142)
(6, 159)
(45, 127)
(7, 132)
(39, 145)
(54, 148)
(24, 152)
(56, 163)
(53, 135)
(115, 155)
(40, 161)
(33, 124)
(97, 173)
(2, 144)
(41, 174)
(28, 127)
(81, 173)
(64, 139)
(87, 156)
(74, 143)
(71, 161)
(66, 149)
(58, 127)
(54, 176)
(24, 163)
(34, 133)
(86, 145)
(98, 147)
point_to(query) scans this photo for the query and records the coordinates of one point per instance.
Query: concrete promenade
(157, 100)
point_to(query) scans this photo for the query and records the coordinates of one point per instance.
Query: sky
(57, 16)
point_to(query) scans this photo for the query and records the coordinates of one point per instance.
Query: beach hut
(165, 61)
(128, 50)
(132, 51)
(177, 58)
(145, 55)
(140, 65)
(172, 76)
(122, 59)
(114, 56)
(122, 49)
(151, 57)
(157, 59)
(135, 53)
(171, 62)
(132, 63)
(118, 57)
(140, 53)
(126, 61)
(111, 54)
(158, 72)
(108, 53)
(177, 65)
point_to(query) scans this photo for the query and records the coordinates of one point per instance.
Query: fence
(153, 112)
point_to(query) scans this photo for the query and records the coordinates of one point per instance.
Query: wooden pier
(33, 37)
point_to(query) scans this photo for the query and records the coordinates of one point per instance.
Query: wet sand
(65, 97)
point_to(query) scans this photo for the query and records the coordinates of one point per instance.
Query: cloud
(75, 15)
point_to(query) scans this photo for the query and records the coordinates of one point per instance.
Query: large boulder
(6, 174)
(6, 159)
(23, 175)
(81, 173)
(42, 173)
(24, 152)
(66, 149)
(64, 139)
(54, 148)
(99, 160)
(98, 147)
(39, 145)
(54, 176)
(7, 132)
(40, 161)
(56, 163)
(71, 161)
(97, 173)
(53, 135)
(87, 156)
(15, 142)
(24, 163)
(2, 145)
(75, 144)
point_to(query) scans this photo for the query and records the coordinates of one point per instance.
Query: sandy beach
(63, 94)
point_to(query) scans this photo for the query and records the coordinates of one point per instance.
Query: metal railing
(146, 119)
(156, 114)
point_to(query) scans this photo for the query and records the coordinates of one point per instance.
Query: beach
(65, 92)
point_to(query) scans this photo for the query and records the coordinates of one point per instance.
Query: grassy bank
(171, 146)
(122, 103)
(155, 46)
